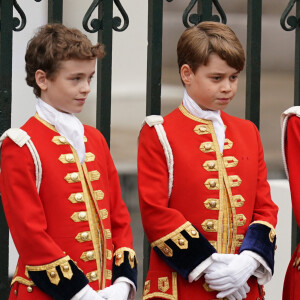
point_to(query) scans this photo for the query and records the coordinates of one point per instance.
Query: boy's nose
(85, 88)
(226, 87)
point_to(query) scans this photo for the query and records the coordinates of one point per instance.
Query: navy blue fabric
(185, 260)
(125, 269)
(66, 288)
(257, 240)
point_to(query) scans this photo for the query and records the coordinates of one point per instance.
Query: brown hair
(197, 43)
(52, 44)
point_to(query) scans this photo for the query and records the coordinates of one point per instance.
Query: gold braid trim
(48, 266)
(187, 226)
(119, 254)
(187, 114)
(23, 281)
(161, 295)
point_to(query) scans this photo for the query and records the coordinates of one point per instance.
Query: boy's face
(69, 88)
(212, 86)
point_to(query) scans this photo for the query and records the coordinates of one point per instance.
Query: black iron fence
(195, 12)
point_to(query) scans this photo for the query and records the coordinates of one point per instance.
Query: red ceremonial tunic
(78, 215)
(215, 198)
(291, 289)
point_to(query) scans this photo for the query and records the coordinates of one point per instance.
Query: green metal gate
(103, 26)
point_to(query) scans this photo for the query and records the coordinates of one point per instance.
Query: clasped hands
(229, 273)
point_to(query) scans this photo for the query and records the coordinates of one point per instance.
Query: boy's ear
(41, 79)
(186, 74)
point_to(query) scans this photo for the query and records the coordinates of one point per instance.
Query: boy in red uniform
(204, 197)
(290, 150)
(59, 186)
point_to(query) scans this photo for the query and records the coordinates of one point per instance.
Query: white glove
(240, 294)
(230, 278)
(117, 291)
(87, 293)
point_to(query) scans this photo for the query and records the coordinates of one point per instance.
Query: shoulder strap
(20, 137)
(157, 122)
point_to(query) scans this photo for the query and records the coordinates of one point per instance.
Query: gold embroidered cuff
(177, 238)
(272, 233)
(120, 254)
(51, 271)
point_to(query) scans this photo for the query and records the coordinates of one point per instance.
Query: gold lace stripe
(170, 235)
(89, 156)
(94, 175)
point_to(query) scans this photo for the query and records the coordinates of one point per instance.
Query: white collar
(213, 115)
(66, 124)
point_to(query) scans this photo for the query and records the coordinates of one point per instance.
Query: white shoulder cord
(20, 137)
(294, 110)
(157, 122)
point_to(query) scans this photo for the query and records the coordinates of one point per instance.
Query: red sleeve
(292, 147)
(23, 207)
(264, 209)
(153, 179)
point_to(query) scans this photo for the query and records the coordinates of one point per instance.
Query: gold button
(294, 263)
(131, 258)
(66, 268)
(273, 236)
(29, 289)
(90, 255)
(69, 157)
(78, 197)
(62, 139)
(53, 274)
(211, 165)
(93, 275)
(82, 215)
(74, 176)
(193, 232)
(181, 242)
(15, 292)
(166, 250)
(202, 128)
(207, 146)
(212, 183)
(210, 225)
(119, 256)
(84, 235)
(213, 203)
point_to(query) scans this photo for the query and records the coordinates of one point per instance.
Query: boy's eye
(234, 77)
(76, 78)
(216, 78)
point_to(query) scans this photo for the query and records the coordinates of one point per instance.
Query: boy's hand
(229, 279)
(240, 294)
(117, 291)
